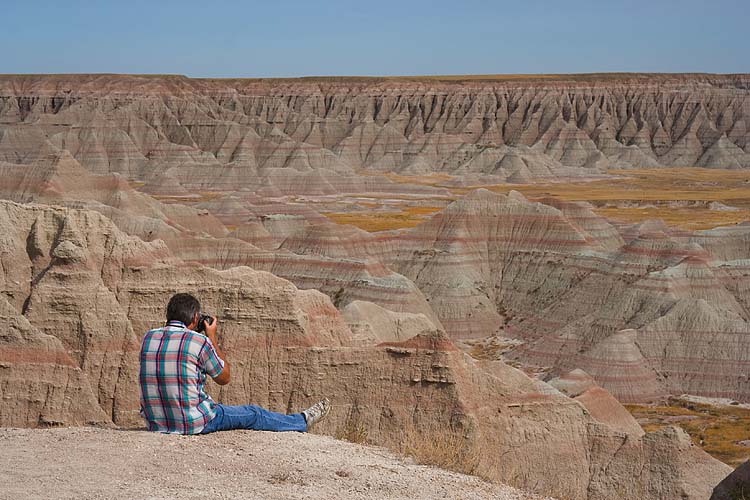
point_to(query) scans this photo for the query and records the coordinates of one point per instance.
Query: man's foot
(316, 412)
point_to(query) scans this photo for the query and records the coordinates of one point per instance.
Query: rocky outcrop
(273, 237)
(735, 485)
(40, 384)
(308, 136)
(372, 324)
(634, 308)
(59, 179)
(647, 313)
(75, 277)
(601, 404)
(90, 291)
(577, 291)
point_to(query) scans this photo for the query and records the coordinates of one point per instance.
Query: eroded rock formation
(308, 136)
(79, 293)
(640, 308)
(646, 311)
(654, 315)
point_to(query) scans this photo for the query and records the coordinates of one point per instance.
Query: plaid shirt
(174, 364)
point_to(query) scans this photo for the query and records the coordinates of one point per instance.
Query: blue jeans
(253, 417)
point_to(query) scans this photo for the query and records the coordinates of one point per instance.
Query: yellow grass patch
(434, 179)
(209, 195)
(716, 429)
(442, 447)
(354, 429)
(648, 185)
(684, 218)
(372, 221)
(662, 189)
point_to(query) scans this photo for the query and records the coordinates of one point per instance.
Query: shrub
(354, 429)
(442, 447)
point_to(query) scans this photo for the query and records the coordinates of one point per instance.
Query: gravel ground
(105, 463)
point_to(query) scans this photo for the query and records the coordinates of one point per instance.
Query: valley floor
(722, 430)
(685, 198)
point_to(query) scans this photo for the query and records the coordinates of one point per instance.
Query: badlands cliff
(121, 190)
(232, 134)
(646, 310)
(77, 293)
(656, 314)
(553, 274)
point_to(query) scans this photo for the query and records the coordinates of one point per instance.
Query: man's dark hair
(183, 307)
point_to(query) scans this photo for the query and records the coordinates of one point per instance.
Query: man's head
(183, 307)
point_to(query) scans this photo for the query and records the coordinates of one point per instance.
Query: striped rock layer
(658, 314)
(76, 294)
(646, 311)
(308, 136)
(268, 238)
(550, 273)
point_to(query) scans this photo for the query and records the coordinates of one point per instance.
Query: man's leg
(255, 418)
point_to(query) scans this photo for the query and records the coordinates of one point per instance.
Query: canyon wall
(646, 310)
(77, 294)
(126, 189)
(229, 134)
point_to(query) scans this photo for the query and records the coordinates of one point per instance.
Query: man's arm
(225, 375)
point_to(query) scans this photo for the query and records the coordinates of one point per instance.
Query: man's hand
(210, 330)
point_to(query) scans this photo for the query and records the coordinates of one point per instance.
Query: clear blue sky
(378, 37)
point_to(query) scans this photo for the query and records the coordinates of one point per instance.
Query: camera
(201, 318)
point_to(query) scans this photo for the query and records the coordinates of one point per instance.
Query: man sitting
(175, 360)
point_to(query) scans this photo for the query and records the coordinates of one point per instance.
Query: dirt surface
(101, 463)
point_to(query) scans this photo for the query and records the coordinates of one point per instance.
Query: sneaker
(317, 411)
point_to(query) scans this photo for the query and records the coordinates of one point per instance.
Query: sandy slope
(101, 463)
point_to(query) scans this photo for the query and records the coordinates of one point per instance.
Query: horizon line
(435, 77)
